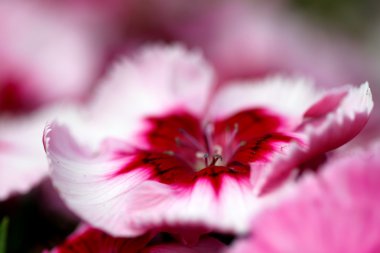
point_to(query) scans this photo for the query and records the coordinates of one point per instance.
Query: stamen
(206, 159)
(207, 135)
(194, 143)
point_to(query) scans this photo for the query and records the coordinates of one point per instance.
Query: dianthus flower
(161, 147)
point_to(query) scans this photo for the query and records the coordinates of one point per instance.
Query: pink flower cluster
(208, 145)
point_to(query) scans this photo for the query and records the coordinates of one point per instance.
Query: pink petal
(338, 211)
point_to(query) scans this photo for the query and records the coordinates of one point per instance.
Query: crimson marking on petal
(250, 123)
(325, 105)
(259, 149)
(215, 174)
(162, 167)
(164, 130)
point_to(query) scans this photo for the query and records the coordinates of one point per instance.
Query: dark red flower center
(182, 149)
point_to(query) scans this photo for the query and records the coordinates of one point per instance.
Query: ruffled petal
(330, 122)
(341, 123)
(337, 211)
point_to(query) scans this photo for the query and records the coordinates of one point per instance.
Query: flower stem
(3, 234)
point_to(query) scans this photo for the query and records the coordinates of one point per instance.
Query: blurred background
(53, 51)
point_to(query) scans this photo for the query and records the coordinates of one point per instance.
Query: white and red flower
(162, 147)
(336, 211)
(91, 240)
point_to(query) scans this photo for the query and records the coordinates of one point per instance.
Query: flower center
(179, 149)
(206, 150)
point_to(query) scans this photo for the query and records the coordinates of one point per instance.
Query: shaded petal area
(91, 240)
(87, 239)
(335, 211)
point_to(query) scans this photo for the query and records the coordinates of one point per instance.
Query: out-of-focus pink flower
(92, 241)
(164, 148)
(247, 39)
(336, 211)
(47, 55)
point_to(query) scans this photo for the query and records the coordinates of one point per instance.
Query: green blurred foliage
(352, 16)
(3, 234)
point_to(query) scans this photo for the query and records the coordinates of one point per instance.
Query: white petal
(157, 80)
